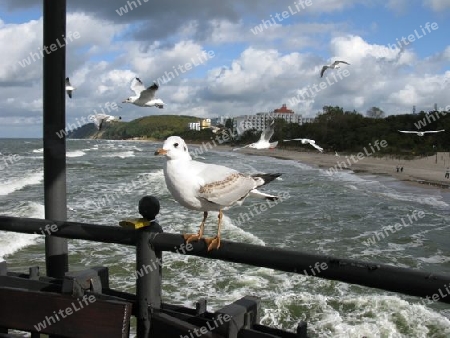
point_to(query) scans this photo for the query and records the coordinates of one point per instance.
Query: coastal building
(194, 125)
(221, 120)
(261, 120)
(200, 125)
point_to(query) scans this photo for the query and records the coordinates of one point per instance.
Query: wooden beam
(56, 314)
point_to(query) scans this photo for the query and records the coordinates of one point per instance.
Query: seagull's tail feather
(266, 178)
(259, 194)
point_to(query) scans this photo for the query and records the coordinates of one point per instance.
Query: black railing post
(148, 267)
(54, 14)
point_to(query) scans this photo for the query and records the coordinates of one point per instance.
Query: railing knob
(149, 207)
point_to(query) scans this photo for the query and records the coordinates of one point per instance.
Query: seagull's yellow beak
(161, 151)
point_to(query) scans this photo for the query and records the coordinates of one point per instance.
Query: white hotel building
(261, 120)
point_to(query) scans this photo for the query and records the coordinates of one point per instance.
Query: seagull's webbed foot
(192, 237)
(212, 242)
(195, 237)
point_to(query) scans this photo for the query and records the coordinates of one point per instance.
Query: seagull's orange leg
(195, 237)
(214, 242)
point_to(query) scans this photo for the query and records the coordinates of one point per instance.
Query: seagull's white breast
(184, 185)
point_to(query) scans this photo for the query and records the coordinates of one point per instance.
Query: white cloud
(21, 40)
(22, 61)
(248, 72)
(437, 5)
(254, 73)
(398, 6)
(171, 62)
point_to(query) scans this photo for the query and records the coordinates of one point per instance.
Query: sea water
(336, 215)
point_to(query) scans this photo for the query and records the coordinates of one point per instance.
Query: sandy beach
(425, 171)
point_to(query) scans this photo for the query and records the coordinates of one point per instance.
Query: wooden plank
(164, 325)
(29, 284)
(57, 314)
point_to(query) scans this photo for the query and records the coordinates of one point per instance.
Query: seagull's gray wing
(137, 86)
(214, 129)
(98, 121)
(434, 131)
(68, 91)
(316, 146)
(229, 189)
(336, 62)
(222, 185)
(268, 132)
(149, 93)
(294, 139)
(408, 131)
(111, 118)
(248, 145)
(324, 68)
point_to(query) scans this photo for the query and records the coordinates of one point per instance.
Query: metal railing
(150, 241)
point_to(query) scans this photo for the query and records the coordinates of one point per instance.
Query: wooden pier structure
(29, 298)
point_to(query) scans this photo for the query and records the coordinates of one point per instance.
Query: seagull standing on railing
(207, 187)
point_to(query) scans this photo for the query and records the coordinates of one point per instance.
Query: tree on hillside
(229, 124)
(375, 113)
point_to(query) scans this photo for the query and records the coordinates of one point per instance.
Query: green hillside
(150, 127)
(334, 130)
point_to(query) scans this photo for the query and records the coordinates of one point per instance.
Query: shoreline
(426, 172)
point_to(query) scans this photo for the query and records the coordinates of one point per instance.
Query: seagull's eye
(175, 145)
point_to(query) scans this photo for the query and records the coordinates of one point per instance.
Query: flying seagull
(307, 141)
(69, 87)
(264, 139)
(207, 187)
(420, 133)
(334, 65)
(216, 130)
(144, 97)
(100, 119)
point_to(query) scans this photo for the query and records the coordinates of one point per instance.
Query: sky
(229, 58)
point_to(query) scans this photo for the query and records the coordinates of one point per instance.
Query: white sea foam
(15, 184)
(40, 150)
(435, 259)
(435, 201)
(141, 184)
(10, 242)
(341, 175)
(121, 154)
(75, 153)
(235, 233)
(357, 316)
